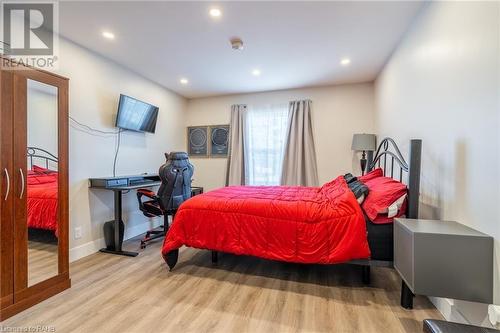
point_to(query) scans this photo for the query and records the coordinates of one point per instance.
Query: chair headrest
(177, 156)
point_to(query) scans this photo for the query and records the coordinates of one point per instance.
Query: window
(265, 136)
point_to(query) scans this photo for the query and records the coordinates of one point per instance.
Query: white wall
(338, 112)
(95, 85)
(442, 85)
(42, 118)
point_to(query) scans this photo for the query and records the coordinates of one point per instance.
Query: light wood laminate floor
(240, 294)
(42, 261)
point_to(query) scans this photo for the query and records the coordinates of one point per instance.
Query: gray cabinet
(444, 259)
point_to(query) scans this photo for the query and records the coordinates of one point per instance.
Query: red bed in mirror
(42, 190)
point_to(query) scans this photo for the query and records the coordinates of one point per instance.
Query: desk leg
(118, 217)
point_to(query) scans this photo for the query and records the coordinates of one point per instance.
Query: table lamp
(363, 142)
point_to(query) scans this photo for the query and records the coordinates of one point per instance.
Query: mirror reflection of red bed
(42, 198)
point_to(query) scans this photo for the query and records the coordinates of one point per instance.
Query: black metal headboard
(35, 154)
(388, 151)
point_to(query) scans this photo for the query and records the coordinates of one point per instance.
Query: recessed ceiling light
(345, 61)
(108, 35)
(256, 72)
(215, 12)
(184, 81)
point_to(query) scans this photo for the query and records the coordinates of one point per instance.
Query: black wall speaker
(219, 140)
(198, 141)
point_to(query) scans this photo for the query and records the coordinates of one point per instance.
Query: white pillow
(395, 206)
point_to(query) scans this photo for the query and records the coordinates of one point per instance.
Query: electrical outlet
(78, 232)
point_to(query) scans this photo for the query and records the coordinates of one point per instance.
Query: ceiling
(294, 44)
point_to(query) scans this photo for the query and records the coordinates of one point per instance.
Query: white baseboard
(94, 246)
(131, 232)
(86, 249)
(448, 309)
(494, 315)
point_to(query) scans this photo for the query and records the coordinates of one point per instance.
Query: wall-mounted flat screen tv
(136, 115)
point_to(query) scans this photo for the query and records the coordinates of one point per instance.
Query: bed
(287, 223)
(42, 192)
(321, 225)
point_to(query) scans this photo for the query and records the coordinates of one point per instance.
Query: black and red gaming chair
(175, 188)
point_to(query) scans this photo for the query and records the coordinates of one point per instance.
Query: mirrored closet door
(37, 184)
(42, 181)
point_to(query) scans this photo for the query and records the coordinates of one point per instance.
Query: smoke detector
(236, 43)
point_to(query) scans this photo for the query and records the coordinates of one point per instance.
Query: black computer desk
(118, 185)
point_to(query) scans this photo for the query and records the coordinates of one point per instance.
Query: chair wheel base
(153, 234)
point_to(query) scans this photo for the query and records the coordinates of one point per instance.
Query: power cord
(97, 132)
(116, 152)
(91, 129)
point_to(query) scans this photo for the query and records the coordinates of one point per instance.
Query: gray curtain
(299, 161)
(235, 174)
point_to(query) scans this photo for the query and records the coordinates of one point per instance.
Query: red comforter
(42, 201)
(295, 224)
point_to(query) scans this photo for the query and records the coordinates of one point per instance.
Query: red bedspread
(295, 224)
(42, 201)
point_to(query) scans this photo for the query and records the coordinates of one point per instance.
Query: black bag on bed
(175, 177)
(357, 187)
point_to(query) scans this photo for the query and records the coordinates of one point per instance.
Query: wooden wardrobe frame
(13, 231)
